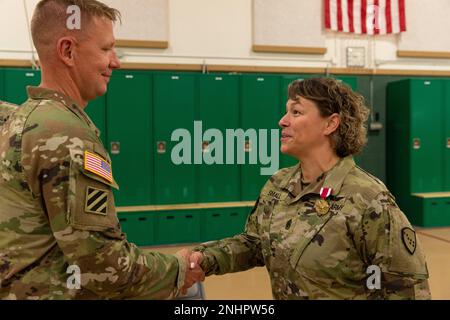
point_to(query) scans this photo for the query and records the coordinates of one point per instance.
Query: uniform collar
(37, 93)
(333, 178)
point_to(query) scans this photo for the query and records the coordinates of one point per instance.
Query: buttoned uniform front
(326, 254)
(57, 212)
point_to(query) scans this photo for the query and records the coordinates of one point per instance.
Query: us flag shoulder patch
(97, 165)
(96, 201)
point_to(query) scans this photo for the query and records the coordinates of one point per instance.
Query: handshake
(194, 272)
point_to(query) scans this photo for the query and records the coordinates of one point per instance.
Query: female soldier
(325, 228)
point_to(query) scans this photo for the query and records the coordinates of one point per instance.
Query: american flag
(97, 165)
(365, 16)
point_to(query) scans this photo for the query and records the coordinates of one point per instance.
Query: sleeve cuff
(181, 271)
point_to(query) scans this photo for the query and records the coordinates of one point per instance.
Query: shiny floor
(254, 284)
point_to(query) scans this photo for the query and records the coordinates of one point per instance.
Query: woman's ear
(65, 50)
(333, 123)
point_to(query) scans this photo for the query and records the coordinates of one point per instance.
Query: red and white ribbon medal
(322, 207)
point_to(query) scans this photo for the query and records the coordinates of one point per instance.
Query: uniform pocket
(308, 229)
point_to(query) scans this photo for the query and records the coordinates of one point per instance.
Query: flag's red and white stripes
(365, 16)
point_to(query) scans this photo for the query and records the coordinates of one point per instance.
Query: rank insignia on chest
(97, 165)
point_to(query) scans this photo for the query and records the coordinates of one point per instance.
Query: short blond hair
(50, 18)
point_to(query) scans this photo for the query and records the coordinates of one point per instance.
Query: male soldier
(59, 233)
(6, 109)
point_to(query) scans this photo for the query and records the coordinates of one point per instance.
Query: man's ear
(65, 49)
(333, 123)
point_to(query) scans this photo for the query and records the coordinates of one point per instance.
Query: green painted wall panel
(174, 107)
(219, 109)
(16, 81)
(260, 100)
(129, 118)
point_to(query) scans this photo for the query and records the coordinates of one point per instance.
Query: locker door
(16, 81)
(96, 110)
(174, 100)
(218, 109)
(2, 85)
(351, 81)
(426, 133)
(286, 160)
(446, 138)
(129, 133)
(260, 109)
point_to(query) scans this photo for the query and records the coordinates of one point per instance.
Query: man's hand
(194, 272)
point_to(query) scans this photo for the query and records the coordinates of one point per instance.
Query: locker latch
(115, 147)
(448, 143)
(416, 143)
(161, 147)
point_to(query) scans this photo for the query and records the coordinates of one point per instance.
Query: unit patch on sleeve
(96, 201)
(97, 165)
(409, 239)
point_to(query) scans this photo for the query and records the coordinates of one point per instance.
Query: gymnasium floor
(254, 284)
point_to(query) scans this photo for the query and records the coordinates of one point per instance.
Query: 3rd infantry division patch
(96, 201)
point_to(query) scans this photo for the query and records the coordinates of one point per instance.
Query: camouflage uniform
(55, 213)
(6, 109)
(325, 255)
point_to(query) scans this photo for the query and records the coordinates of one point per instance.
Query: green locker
(351, 81)
(16, 81)
(426, 133)
(139, 227)
(222, 223)
(2, 84)
(414, 140)
(445, 142)
(129, 118)
(96, 110)
(416, 146)
(176, 227)
(174, 101)
(218, 109)
(260, 109)
(430, 211)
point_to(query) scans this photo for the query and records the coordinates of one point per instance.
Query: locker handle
(170, 217)
(142, 218)
(218, 78)
(233, 214)
(129, 76)
(216, 215)
(260, 79)
(29, 74)
(189, 216)
(434, 203)
(123, 219)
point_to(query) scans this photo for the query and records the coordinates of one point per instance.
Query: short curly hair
(333, 96)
